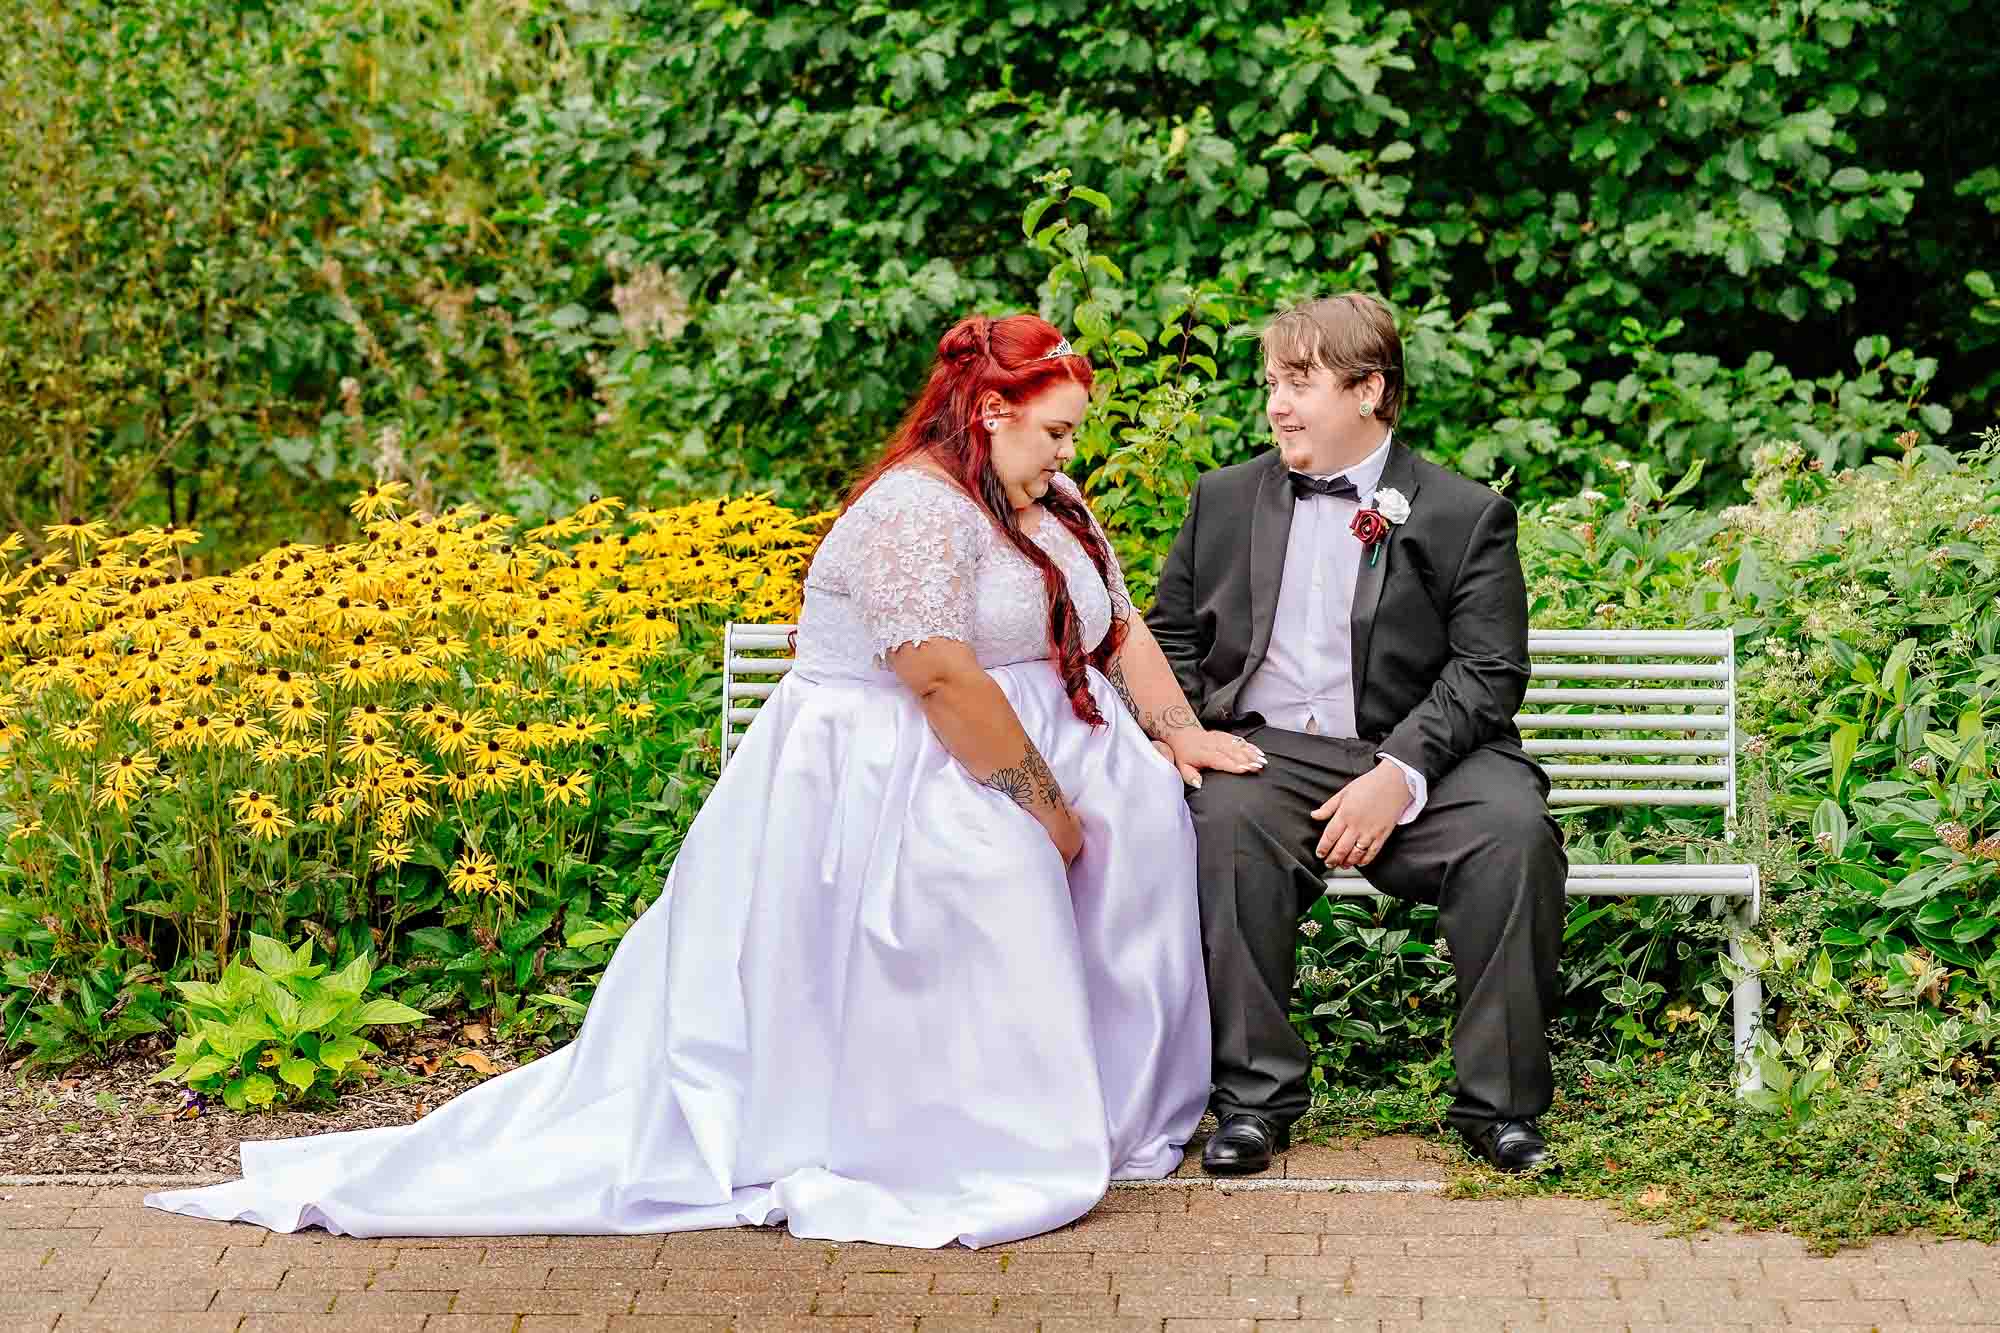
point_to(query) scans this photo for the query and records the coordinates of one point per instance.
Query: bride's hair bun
(966, 339)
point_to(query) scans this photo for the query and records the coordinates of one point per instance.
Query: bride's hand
(1192, 749)
(1066, 832)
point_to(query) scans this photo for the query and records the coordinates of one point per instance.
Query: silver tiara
(1062, 348)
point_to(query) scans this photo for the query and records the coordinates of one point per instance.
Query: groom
(1377, 661)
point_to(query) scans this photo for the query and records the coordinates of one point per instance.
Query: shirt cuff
(1420, 791)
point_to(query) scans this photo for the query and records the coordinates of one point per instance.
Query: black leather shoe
(1242, 1145)
(1511, 1145)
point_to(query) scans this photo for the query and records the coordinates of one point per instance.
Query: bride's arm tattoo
(1178, 717)
(1124, 687)
(1027, 784)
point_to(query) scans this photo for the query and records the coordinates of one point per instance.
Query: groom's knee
(1226, 803)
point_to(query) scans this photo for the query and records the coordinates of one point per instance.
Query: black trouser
(1485, 850)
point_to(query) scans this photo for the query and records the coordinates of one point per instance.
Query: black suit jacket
(1440, 629)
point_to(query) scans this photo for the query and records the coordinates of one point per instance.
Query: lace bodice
(916, 558)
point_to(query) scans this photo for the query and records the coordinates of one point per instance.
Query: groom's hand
(1361, 816)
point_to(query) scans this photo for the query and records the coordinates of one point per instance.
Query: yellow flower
(472, 874)
(635, 710)
(369, 748)
(572, 786)
(129, 767)
(388, 854)
(297, 713)
(382, 498)
(459, 784)
(65, 782)
(78, 530)
(78, 735)
(119, 794)
(260, 815)
(239, 731)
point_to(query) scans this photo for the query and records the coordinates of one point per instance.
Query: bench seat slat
(1629, 696)
(1622, 721)
(1546, 670)
(1634, 796)
(1566, 773)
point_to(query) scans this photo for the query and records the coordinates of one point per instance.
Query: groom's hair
(1353, 335)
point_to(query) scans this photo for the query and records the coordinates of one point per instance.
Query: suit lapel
(1399, 473)
(1270, 532)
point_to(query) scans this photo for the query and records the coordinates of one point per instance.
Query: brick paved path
(1174, 1259)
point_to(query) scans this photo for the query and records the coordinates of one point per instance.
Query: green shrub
(277, 1029)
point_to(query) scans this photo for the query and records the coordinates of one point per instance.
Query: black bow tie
(1304, 487)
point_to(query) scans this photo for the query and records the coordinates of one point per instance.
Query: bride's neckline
(1041, 514)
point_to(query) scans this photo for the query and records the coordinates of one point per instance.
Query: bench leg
(1747, 1004)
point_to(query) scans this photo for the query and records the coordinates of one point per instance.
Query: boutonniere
(1372, 525)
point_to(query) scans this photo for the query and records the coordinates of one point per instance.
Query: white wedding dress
(871, 1003)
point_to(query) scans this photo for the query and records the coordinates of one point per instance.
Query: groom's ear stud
(1368, 409)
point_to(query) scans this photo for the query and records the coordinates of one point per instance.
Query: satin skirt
(871, 1004)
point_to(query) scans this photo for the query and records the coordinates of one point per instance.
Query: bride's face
(1034, 440)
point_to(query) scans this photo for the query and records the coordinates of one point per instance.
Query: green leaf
(381, 1010)
(1937, 416)
(1031, 216)
(1849, 180)
(206, 1067)
(1097, 198)
(342, 1052)
(259, 1090)
(271, 957)
(1846, 738)
(299, 1073)
(1829, 827)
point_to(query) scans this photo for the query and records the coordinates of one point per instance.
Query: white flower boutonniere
(1392, 504)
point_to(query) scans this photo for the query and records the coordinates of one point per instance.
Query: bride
(927, 968)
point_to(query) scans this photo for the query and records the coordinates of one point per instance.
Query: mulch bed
(108, 1119)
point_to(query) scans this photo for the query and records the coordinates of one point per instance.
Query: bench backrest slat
(1595, 717)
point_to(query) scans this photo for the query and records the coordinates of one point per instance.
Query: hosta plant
(276, 1028)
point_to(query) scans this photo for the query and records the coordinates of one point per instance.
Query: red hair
(1009, 357)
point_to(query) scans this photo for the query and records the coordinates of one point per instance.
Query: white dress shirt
(1305, 682)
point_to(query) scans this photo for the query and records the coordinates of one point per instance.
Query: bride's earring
(991, 425)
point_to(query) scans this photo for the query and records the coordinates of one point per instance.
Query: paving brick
(452, 1277)
(1254, 1305)
(135, 1300)
(1069, 1304)
(1227, 1264)
(470, 1323)
(348, 1304)
(563, 1323)
(1118, 1324)
(837, 1303)
(996, 1283)
(41, 1302)
(266, 1300)
(311, 1276)
(991, 1324)
(532, 1300)
(27, 1323)
(652, 1323)
(1952, 1306)
(310, 1323)
(226, 1322)
(736, 1303)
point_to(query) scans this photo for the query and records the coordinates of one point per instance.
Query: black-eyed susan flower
(571, 787)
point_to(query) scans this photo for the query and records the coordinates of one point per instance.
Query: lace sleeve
(1121, 600)
(912, 560)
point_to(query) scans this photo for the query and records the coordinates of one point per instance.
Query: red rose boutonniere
(1372, 526)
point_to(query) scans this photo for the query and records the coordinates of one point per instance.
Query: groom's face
(1304, 406)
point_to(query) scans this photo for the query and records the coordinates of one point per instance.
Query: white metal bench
(1614, 717)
